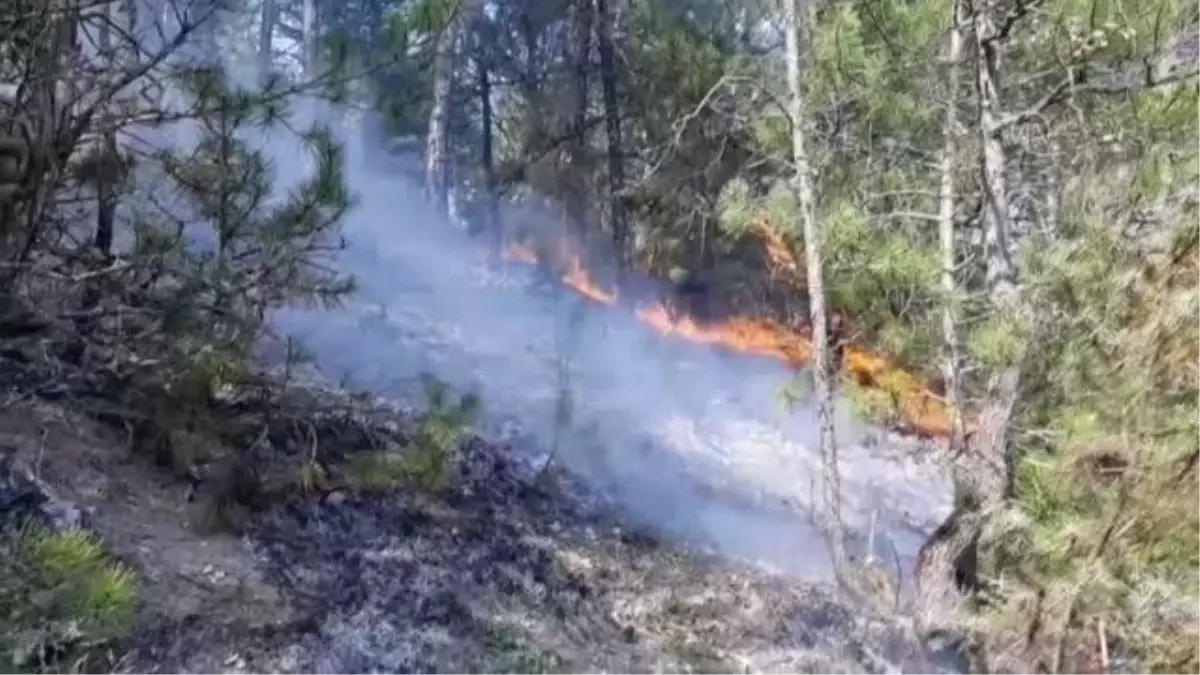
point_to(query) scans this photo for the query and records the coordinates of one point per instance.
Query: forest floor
(502, 571)
(495, 574)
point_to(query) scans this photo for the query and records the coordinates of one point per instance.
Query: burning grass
(914, 406)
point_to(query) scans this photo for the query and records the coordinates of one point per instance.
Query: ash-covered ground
(676, 538)
(690, 440)
(498, 573)
(497, 576)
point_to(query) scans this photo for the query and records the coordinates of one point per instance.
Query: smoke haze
(689, 440)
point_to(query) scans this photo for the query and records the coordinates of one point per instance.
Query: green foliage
(685, 62)
(63, 602)
(909, 342)
(871, 404)
(1104, 524)
(880, 277)
(436, 435)
(509, 650)
(1107, 522)
(248, 252)
(877, 273)
(737, 208)
(996, 342)
(400, 58)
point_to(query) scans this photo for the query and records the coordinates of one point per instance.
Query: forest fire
(575, 275)
(922, 411)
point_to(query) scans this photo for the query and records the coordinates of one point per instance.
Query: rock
(946, 652)
(24, 497)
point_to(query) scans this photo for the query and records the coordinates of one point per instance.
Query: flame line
(924, 413)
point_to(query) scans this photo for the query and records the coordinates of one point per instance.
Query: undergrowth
(1100, 561)
(63, 602)
(437, 434)
(509, 650)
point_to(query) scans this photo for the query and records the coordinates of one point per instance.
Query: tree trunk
(798, 41)
(581, 46)
(266, 32)
(947, 560)
(992, 444)
(946, 201)
(612, 128)
(493, 227)
(987, 475)
(105, 172)
(437, 142)
(309, 29)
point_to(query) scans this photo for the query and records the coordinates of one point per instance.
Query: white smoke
(687, 438)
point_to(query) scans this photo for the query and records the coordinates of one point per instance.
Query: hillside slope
(494, 575)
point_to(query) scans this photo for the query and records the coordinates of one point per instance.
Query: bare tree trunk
(309, 30)
(798, 41)
(437, 142)
(1001, 273)
(946, 201)
(947, 559)
(612, 128)
(581, 46)
(103, 171)
(492, 224)
(988, 471)
(266, 34)
(51, 92)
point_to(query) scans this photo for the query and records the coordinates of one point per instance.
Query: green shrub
(63, 602)
(508, 650)
(437, 434)
(871, 404)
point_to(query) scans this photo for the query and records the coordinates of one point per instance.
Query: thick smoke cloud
(687, 439)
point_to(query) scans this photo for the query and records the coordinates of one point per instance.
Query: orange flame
(578, 278)
(574, 275)
(782, 261)
(924, 412)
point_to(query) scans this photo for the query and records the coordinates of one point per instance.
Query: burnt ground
(493, 575)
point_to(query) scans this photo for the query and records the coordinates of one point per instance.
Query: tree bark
(437, 142)
(581, 47)
(946, 201)
(798, 40)
(612, 127)
(491, 215)
(105, 170)
(266, 32)
(987, 474)
(993, 445)
(309, 28)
